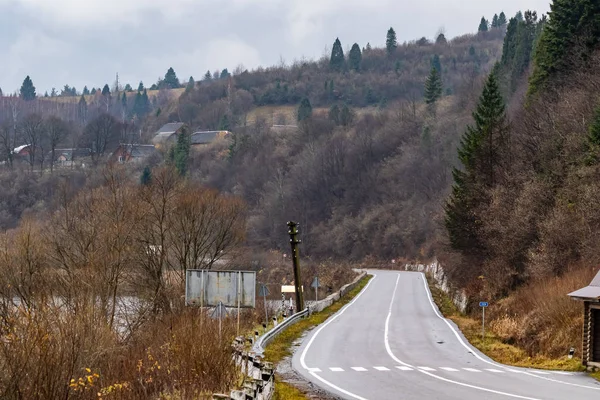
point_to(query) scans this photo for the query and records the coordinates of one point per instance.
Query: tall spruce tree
(171, 81)
(436, 63)
(182, 152)
(433, 86)
(483, 25)
(304, 110)
(502, 19)
(337, 60)
(86, 91)
(82, 110)
(207, 76)
(355, 57)
(478, 154)
(146, 177)
(27, 92)
(495, 21)
(441, 39)
(191, 84)
(390, 41)
(140, 87)
(571, 33)
(334, 114)
(106, 90)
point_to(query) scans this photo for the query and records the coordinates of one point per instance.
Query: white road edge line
(312, 339)
(475, 352)
(389, 351)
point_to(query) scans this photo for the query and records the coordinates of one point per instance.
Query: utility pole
(296, 261)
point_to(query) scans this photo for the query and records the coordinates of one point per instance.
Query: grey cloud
(81, 43)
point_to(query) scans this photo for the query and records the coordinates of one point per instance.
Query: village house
(167, 132)
(71, 157)
(126, 153)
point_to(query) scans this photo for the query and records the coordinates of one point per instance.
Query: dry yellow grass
(493, 345)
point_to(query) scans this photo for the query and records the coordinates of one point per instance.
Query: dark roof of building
(590, 292)
(141, 150)
(206, 137)
(171, 127)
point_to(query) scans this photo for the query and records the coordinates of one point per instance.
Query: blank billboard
(232, 288)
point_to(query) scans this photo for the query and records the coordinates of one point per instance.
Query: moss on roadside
(492, 345)
(285, 391)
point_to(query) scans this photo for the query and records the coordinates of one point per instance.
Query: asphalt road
(391, 342)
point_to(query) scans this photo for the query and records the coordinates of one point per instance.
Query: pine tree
(82, 109)
(304, 110)
(433, 86)
(182, 152)
(390, 41)
(519, 16)
(337, 60)
(128, 88)
(207, 76)
(146, 177)
(495, 21)
(46, 94)
(436, 63)
(346, 115)
(441, 39)
(93, 92)
(478, 154)
(106, 90)
(224, 124)
(368, 48)
(140, 87)
(355, 57)
(191, 84)
(483, 25)
(28, 90)
(124, 102)
(86, 91)
(502, 19)
(568, 38)
(334, 114)
(397, 67)
(224, 74)
(171, 80)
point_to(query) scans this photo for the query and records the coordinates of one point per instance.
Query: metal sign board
(290, 289)
(219, 312)
(483, 304)
(232, 288)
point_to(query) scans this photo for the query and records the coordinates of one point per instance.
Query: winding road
(391, 342)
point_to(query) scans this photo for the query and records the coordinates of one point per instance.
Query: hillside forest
(481, 151)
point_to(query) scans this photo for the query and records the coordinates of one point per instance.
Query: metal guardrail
(264, 340)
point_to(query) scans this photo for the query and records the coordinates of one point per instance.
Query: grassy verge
(492, 345)
(285, 391)
(280, 347)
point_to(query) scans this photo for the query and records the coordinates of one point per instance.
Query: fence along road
(391, 342)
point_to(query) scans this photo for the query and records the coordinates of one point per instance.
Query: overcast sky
(86, 42)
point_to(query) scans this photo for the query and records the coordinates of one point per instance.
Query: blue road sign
(483, 304)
